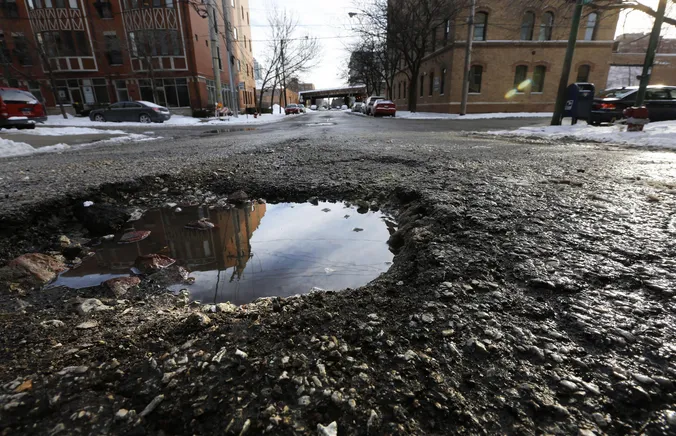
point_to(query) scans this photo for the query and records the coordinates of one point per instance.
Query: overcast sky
(328, 21)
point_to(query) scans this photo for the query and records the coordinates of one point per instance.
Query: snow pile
(11, 148)
(440, 116)
(659, 134)
(277, 109)
(63, 131)
(176, 120)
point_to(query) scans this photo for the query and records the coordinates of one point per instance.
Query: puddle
(219, 131)
(259, 250)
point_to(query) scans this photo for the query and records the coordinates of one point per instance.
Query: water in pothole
(258, 250)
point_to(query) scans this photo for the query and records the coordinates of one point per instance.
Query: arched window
(590, 28)
(583, 73)
(475, 74)
(527, 26)
(520, 76)
(539, 78)
(546, 26)
(480, 23)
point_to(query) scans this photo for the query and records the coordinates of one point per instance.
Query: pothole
(242, 253)
(320, 124)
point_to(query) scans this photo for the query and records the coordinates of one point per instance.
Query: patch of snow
(88, 203)
(660, 134)
(486, 116)
(176, 120)
(11, 148)
(150, 104)
(63, 131)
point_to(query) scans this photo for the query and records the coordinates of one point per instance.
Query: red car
(384, 108)
(292, 109)
(20, 109)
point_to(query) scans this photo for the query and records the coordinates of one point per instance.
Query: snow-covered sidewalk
(41, 130)
(176, 120)
(495, 115)
(660, 134)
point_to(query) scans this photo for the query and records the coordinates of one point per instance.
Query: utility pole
(213, 31)
(234, 93)
(468, 58)
(650, 54)
(561, 95)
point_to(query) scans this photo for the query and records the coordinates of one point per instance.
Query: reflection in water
(294, 248)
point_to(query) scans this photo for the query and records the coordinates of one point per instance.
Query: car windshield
(615, 93)
(17, 96)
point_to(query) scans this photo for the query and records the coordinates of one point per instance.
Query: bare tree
(288, 54)
(364, 67)
(407, 28)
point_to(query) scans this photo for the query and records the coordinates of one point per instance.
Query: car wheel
(29, 126)
(100, 118)
(145, 118)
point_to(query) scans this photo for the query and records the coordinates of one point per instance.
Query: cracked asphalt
(533, 290)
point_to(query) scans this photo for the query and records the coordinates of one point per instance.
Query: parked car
(302, 108)
(609, 104)
(357, 106)
(384, 108)
(20, 109)
(291, 109)
(313, 107)
(369, 103)
(141, 111)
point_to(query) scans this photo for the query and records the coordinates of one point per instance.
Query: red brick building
(109, 50)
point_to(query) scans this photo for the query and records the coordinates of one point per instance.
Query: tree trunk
(413, 91)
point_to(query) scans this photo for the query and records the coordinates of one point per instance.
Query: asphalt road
(532, 289)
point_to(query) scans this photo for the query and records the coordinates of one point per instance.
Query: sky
(328, 20)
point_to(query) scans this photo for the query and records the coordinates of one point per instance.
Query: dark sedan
(609, 104)
(140, 111)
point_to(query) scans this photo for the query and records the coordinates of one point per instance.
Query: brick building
(512, 45)
(271, 97)
(104, 51)
(628, 57)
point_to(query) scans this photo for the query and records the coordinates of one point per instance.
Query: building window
(447, 29)
(590, 28)
(169, 4)
(442, 85)
(527, 26)
(242, 12)
(4, 51)
(422, 85)
(434, 39)
(431, 84)
(399, 90)
(247, 18)
(475, 74)
(232, 3)
(520, 76)
(72, 4)
(132, 45)
(104, 9)
(583, 73)
(113, 48)
(11, 9)
(539, 78)
(239, 65)
(480, 23)
(34, 88)
(21, 50)
(121, 90)
(546, 26)
(234, 32)
(405, 86)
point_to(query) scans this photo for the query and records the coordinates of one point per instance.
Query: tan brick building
(628, 57)
(102, 51)
(512, 46)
